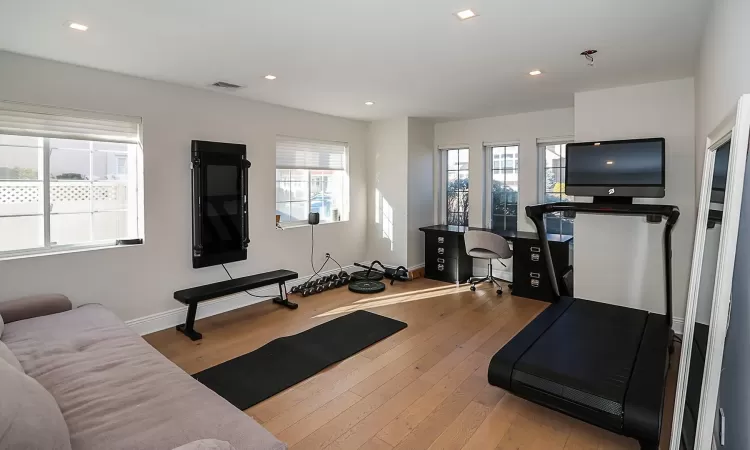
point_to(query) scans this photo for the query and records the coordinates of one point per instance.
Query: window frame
(134, 206)
(444, 181)
(346, 194)
(542, 145)
(488, 175)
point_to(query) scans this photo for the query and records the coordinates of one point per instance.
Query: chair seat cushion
(483, 254)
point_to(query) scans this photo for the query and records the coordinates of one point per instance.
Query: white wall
(387, 175)
(722, 76)
(420, 186)
(139, 281)
(619, 260)
(518, 128)
(723, 72)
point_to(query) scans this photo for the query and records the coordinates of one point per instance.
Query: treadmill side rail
(644, 400)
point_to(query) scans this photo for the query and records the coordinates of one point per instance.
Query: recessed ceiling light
(466, 14)
(270, 77)
(77, 26)
(535, 72)
(609, 163)
(369, 103)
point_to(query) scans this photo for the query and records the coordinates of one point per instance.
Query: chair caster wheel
(499, 292)
(473, 288)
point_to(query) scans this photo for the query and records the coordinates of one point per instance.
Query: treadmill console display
(616, 169)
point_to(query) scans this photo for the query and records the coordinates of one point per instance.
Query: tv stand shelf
(193, 296)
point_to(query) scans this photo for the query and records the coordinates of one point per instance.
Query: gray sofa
(113, 390)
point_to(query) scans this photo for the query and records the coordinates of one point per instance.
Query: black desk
(446, 258)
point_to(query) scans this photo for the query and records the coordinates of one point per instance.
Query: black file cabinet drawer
(443, 269)
(441, 246)
(530, 276)
(445, 257)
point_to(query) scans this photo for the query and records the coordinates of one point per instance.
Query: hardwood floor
(422, 388)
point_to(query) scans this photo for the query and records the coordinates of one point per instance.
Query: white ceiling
(411, 57)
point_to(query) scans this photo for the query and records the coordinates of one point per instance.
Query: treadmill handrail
(670, 212)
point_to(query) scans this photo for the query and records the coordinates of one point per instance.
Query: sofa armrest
(34, 306)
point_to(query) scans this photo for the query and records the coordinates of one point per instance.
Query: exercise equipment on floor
(368, 281)
(601, 363)
(318, 283)
(398, 274)
(324, 283)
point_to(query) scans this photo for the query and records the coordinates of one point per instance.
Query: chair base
(488, 279)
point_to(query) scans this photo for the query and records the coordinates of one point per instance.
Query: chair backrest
(485, 240)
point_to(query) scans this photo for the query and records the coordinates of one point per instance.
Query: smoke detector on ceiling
(228, 86)
(589, 55)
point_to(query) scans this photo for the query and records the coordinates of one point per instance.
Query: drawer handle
(535, 256)
(441, 250)
(441, 260)
(535, 249)
(535, 283)
(441, 267)
(441, 240)
(534, 275)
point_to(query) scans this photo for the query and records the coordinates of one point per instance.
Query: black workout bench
(191, 297)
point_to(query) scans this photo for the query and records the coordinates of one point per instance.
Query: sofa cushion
(117, 392)
(8, 356)
(29, 417)
(207, 444)
(33, 306)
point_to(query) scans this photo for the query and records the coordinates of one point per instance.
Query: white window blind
(49, 122)
(303, 154)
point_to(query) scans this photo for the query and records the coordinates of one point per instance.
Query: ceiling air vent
(225, 85)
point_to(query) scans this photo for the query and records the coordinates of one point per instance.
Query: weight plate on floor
(362, 275)
(366, 286)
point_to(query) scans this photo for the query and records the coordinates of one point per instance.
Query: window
(311, 177)
(503, 195)
(68, 179)
(552, 189)
(456, 186)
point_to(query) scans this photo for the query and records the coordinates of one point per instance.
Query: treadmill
(600, 363)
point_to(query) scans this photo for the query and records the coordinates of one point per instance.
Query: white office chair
(486, 245)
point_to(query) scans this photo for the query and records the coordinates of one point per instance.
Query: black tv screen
(631, 168)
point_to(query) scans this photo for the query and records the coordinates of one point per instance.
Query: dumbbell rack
(324, 283)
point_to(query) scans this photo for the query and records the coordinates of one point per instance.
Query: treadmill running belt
(601, 343)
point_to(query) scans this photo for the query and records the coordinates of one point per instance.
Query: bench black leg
(187, 327)
(283, 298)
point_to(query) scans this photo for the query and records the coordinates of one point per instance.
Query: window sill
(61, 250)
(302, 224)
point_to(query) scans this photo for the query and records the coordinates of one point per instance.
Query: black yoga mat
(284, 362)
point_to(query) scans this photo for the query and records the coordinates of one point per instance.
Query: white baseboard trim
(173, 317)
(678, 325)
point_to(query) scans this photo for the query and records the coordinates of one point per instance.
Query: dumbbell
(294, 290)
